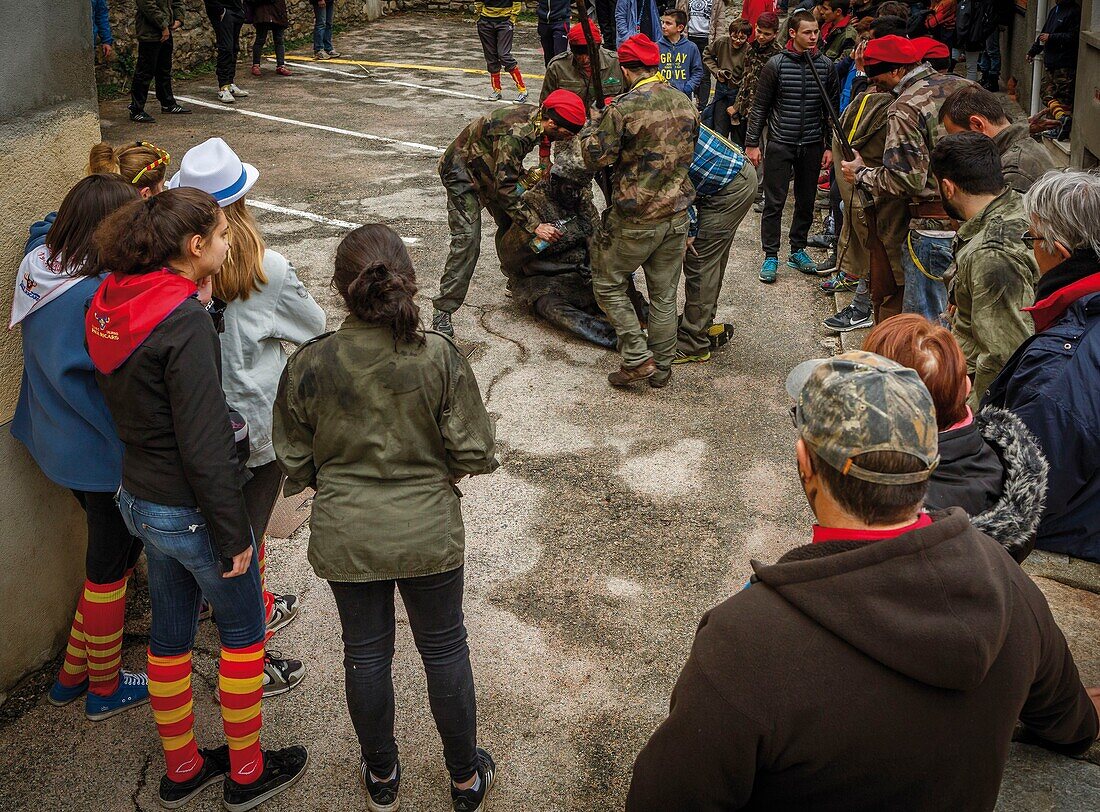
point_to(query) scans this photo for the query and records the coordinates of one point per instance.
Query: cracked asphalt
(616, 519)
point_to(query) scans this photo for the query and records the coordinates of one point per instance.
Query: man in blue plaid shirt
(725, 187)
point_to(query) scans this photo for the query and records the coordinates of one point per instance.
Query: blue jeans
(184, 566)
(322, 26)
(925, 291)
(724, 96)
(989, 62)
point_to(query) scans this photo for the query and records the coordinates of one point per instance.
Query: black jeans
(703, 91)
(434, 606)
(605, 21)
(154, 63)
(780, 162)
(724, 96)
(227, 34)
(260, 495)
(554, 38)
(111, 548)
(277, 32)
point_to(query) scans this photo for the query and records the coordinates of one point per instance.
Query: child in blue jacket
(681, 62)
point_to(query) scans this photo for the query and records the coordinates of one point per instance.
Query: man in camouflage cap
(647, 136)
(484, 167)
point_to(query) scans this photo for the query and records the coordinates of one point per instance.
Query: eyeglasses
(1029, 238)
(164, 158)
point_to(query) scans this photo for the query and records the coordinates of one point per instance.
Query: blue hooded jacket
(631, 19)
(681, 64)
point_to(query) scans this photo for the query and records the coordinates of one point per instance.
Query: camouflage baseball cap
(860, 402)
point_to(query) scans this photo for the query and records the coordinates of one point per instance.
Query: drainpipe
(1037, 65)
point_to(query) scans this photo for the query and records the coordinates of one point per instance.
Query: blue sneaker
(801, 261)
(61, 696)
(133, 690)
(769, 270)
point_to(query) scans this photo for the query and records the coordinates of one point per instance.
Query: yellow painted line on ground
(405, 66)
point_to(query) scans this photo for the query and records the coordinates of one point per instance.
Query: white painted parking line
(316, 218)
(428, 88)
(310, 125)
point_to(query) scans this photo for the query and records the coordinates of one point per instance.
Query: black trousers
(154, 63)
(434, 606)
(227, 35)
(554, 39)
(277, 32)
(111, 548)
(605, 21)
(702, 93)
(781, 161)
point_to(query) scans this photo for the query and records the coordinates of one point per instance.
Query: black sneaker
(382, 796)
(282, 769)
(823, 240)
(215, 766)
(441, 323)
(828, 267)
(175, 110)
(468, 800)
(850, 318)
(141, 117)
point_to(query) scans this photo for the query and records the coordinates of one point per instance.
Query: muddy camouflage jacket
(647, 136)
(1023, 159)
(994, 280)
(755, 60)
(381, 430)
(492, 148)
(912, 130)
(563, 74)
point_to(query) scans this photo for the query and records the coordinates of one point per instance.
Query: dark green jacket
(1023, 159)
(382, 433)
(153, 16)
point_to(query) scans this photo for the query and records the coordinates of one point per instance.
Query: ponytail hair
(143, 164)
(145, 235)
(375, 277)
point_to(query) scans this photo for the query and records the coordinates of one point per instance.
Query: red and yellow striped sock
(517, 77)
(104, 613)
(241, 687)
(495, 79)
(170, 696)
(75, 668)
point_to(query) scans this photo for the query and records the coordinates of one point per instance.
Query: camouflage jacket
(755, 61)
(563, 74)
(994, 280)
(1023, 159)
(492, 148)
(647, 136)
(864, 123)
(912, 129)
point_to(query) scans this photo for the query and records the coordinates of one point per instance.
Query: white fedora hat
(215, 168)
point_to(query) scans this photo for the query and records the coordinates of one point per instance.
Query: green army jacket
(1023, 159)
(563, 74)
(864, 124)
(994, 280)
(153, 16)
(647, 136)
(382, 432)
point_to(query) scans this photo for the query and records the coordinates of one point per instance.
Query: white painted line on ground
(316, 218)
(310, 125)
(428, 88)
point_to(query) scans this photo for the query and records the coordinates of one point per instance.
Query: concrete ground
(616, 519)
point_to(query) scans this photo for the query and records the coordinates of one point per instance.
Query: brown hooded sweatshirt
(867, 676)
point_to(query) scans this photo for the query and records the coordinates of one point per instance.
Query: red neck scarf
(822, 534)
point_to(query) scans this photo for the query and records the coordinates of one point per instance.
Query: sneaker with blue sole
(61, 695)
(769, 270)
(133, 690)
(801, 261)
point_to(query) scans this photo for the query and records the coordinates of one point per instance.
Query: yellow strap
(657, 77)
(917, 262)
(859, 115)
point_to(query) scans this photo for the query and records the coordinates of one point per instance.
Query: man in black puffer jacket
(788, 100)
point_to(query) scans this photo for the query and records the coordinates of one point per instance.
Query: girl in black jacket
(155, 348)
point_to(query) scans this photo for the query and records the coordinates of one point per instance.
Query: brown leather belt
(929, 210)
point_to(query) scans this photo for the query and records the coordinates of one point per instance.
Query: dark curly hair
(374, 275)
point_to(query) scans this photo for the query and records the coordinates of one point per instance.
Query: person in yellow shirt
(496, 25)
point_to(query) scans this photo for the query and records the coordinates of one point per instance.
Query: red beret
(639, 50)
(576, 35)
(929, 48)
(884, 54)
(566, 108)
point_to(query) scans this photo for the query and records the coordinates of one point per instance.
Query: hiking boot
(61, 695)
(838, 282)
(690, 358)
(495, 96)
(719, 335)
(850, 318)
(238, 92)
(225, 96)
(282, 769)
(175, 110)
(801, 261)
(215, 766)
(284, 609)
(441, 323)
(132, 691)
(522, 97)
(382, 796)
(320, 55)
(471, 800)
(769, 270)
(333, 54)
(283, 70)
(625, 376)
(660, 379)
(141, 117)
(255, 70)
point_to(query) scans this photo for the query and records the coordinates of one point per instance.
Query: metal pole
(1037, 65)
